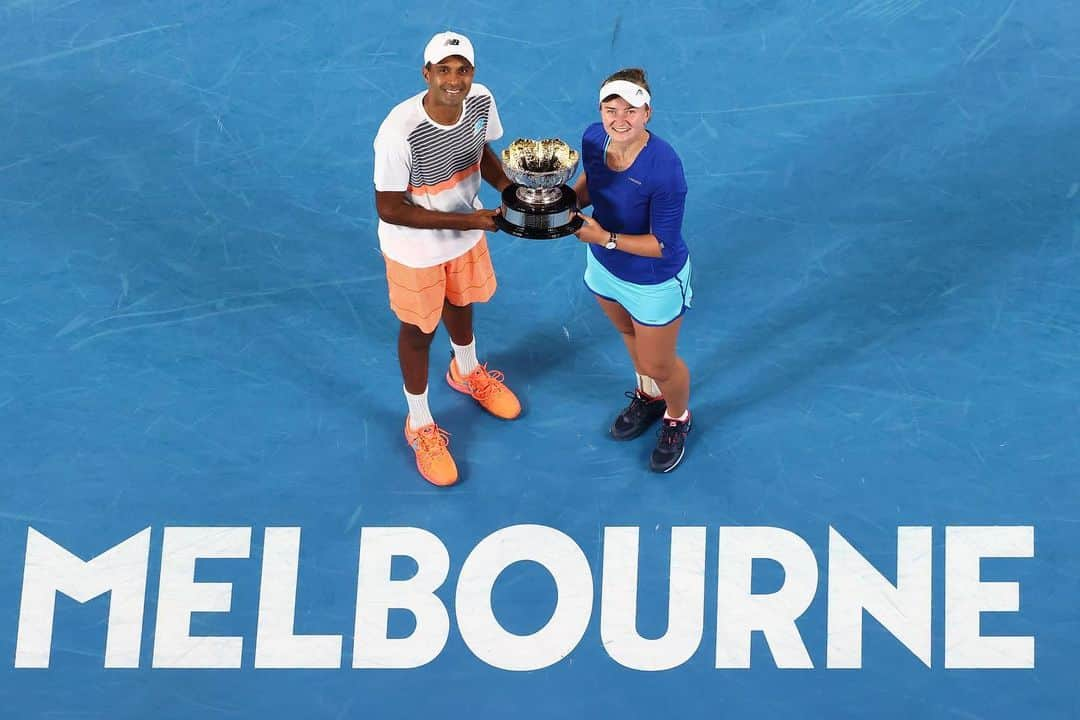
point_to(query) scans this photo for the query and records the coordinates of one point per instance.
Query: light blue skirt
(657, 304)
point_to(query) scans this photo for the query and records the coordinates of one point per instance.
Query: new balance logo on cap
(445, 44)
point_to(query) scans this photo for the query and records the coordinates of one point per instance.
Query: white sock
(682, 418)
(465, 357)
(419, 412)
(648, 386)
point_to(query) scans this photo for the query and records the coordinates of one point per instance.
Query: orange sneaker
(486, 387)
(433, 458)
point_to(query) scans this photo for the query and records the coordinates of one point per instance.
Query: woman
(637, 263)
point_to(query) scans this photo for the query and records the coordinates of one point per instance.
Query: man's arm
(393, 207)
(491, 169)
(392, 162)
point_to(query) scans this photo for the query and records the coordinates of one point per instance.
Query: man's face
(449, 80)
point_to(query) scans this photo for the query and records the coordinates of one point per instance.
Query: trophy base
(539, 221)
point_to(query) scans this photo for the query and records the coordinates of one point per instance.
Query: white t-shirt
(438, 167)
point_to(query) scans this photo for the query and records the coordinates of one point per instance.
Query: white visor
(628, 91)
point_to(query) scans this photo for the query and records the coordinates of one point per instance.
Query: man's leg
(416, 296)
(414, 346)
(458, 321)
(414, 351)
(471, 279)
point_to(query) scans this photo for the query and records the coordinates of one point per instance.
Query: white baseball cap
(445, 44)
(628, 91)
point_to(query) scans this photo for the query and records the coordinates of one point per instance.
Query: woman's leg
(645, 406)
(655, 350)
(622, 321)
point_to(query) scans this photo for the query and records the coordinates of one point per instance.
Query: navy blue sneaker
(670, 445)
(638, 416)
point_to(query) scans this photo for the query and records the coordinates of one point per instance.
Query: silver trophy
(538, 204)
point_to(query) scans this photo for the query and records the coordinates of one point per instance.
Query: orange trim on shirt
(445, 184)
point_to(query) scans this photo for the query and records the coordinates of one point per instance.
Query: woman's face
(623, 122)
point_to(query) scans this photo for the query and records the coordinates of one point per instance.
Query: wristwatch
(612, 242)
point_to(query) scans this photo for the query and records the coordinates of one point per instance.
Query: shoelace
(431, 441)
(637, 404)
(672, 432)
(483, 382)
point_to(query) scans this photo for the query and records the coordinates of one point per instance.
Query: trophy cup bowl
(538, 204)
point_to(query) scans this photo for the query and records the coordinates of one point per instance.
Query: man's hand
(485, 220)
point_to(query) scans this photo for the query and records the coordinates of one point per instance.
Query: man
(431, 152)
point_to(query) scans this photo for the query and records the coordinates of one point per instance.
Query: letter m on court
(51, 569)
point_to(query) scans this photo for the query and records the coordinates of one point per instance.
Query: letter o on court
(479, 627)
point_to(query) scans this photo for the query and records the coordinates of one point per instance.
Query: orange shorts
(417, 294)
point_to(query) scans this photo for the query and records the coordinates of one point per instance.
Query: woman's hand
(591, 232)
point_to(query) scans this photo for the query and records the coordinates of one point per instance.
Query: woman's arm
(581, 188)
(665, 218)
(644, 245)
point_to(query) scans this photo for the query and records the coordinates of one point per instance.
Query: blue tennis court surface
(199, 389)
